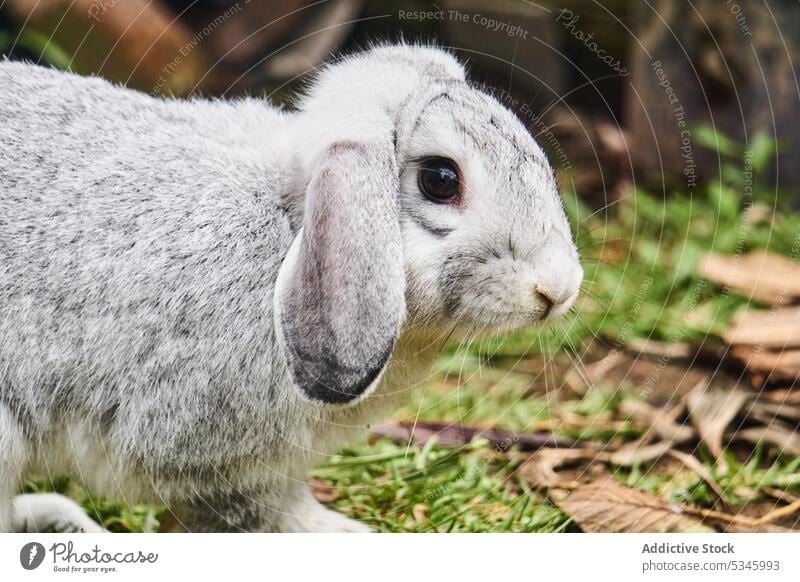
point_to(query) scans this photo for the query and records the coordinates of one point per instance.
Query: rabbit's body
(143, 256)
(138, 349)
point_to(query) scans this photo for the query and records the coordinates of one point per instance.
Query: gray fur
(145, 245)
(322, 314)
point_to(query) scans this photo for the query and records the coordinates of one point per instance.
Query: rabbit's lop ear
(340, 295)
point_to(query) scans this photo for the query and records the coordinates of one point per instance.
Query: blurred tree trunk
(134, 42)
(730, 64)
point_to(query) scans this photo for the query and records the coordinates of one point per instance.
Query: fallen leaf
(660, 421)
(657, 349)
(711, 410)
(581, 377)
(772, 366)
(782, 395)
(540, 468)
(776, 434)
(608, 506)
(784, 410)
(760, 275)
(776, 328)
(635, 453)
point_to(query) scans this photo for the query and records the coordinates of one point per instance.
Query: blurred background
(583, 69)
(674, 130)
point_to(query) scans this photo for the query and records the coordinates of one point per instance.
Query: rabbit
(200, 300)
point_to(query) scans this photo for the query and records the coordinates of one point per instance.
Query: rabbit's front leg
(228, 511)
(293, 510)
(38, 512)
(306, 514)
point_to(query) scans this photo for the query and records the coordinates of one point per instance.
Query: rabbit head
(427, 204)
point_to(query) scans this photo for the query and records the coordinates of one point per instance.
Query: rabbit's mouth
(506, 294)
(490, 322)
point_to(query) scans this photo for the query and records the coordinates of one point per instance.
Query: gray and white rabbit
(202, 299)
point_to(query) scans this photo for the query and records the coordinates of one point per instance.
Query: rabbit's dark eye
(439, 179)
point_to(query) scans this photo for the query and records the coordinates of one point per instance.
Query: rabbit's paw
(39, 512)
(332, 522)
(311, 516)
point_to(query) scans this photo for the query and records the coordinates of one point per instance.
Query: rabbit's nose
(550, 298)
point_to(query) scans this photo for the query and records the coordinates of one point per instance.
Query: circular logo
(31, 555)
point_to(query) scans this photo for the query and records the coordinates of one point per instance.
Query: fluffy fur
(199, 300)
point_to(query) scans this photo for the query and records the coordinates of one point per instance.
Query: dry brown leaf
(581, 377)
(637, 452)
(773, 409)
(776, 328)
(711, 410)
(775, 414)
(767, 277)
(608, 506)
(323, 491)
(657, 349)
(540, 468)
(776, 434)
(783, 395)
(661, 422)
(771, 366)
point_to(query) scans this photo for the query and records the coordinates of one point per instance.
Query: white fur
(164, 332)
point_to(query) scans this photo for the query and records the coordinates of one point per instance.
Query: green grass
(640, 259)
(472, 489)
